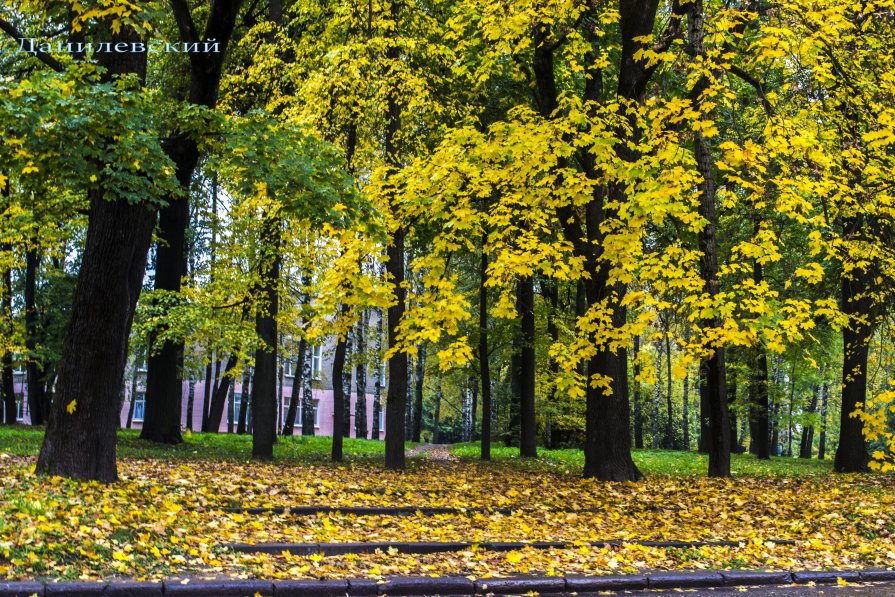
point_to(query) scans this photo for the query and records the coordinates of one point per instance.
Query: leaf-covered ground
(168, 517)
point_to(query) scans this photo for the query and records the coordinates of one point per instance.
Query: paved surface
(876, 590)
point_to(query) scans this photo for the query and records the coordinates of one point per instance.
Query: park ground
(174, 508)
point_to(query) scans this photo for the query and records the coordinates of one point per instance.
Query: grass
(21, 440)
(661, 462)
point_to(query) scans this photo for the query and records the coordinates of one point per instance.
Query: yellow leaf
(70, 408)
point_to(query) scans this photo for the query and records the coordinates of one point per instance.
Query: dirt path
(432, 451)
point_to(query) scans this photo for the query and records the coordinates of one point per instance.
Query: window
(382, 376)
(20, 407)
(237, 402)
(299, 418)
(316, 362)
(381, 421)
(139, 406)
(289, 368)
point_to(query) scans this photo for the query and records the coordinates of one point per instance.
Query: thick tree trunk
(165, 369)
(264, 390)
(418, 394)
(308, 415)
(190, 399)
(360, 379)
(851, 455)
(37, 403)
(638, 406)
(397, 364)
(81, 434)
(484, 361)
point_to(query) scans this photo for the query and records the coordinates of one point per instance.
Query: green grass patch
(659, 462)
(20, 440)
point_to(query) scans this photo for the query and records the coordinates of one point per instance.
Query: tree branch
(42, 56)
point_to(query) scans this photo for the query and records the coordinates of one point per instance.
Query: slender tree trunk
(436, 433)
(669, 427)
(656, 397)
(638, 406)
(360, 379)
(685, 422)
(346, 385)
(418, 393)
(408, 403)
(377, 371)
(297, 382)
(792, 398)
(130, 410)
(822, 440)
(758, 404)
(338, 397)
(6, 364)
(484, 362)
(37, 403)
(206, 396)
(245, 400)
(732, 417)
(190, 399)
(219, 398)
(528, 429)
(264, 389)
(806, 445)
(308, 410)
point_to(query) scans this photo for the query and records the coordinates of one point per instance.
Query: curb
(427, 547)
(445, 585)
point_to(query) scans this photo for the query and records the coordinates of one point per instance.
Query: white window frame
(288, 367)
(20, 406)
(316, 362)
(381, 420)
(298, 417)
(139, 400)
(237, 402)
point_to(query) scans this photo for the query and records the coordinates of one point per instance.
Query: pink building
(322, 395)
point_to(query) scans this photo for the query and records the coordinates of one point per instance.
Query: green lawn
(660, 462)
(25, 441)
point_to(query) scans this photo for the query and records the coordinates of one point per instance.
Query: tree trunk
(37, 402)
(638, 406)
(397, 364)
(190, 399)
(219, 398)
(377, 371)
(338, 397)
(436, 433)
(165, 368)
(686, 416)
(206, 395)
(669, 427)
(528, 424)
(851, 455)
(6, 374)
(735, 440)
(758, 404)
(346, 386)
(264, 390)
(297, 381)
(81, 435)
(713, 377)
(242, 422)
(806, 444)
(656, 397)
(418, 393)
(360, 379)
(308, 415)
(484, 361)
(822, 440)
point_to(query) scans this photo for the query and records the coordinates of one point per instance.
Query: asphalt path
(868, 590)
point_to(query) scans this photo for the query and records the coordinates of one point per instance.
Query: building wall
(323, 396)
